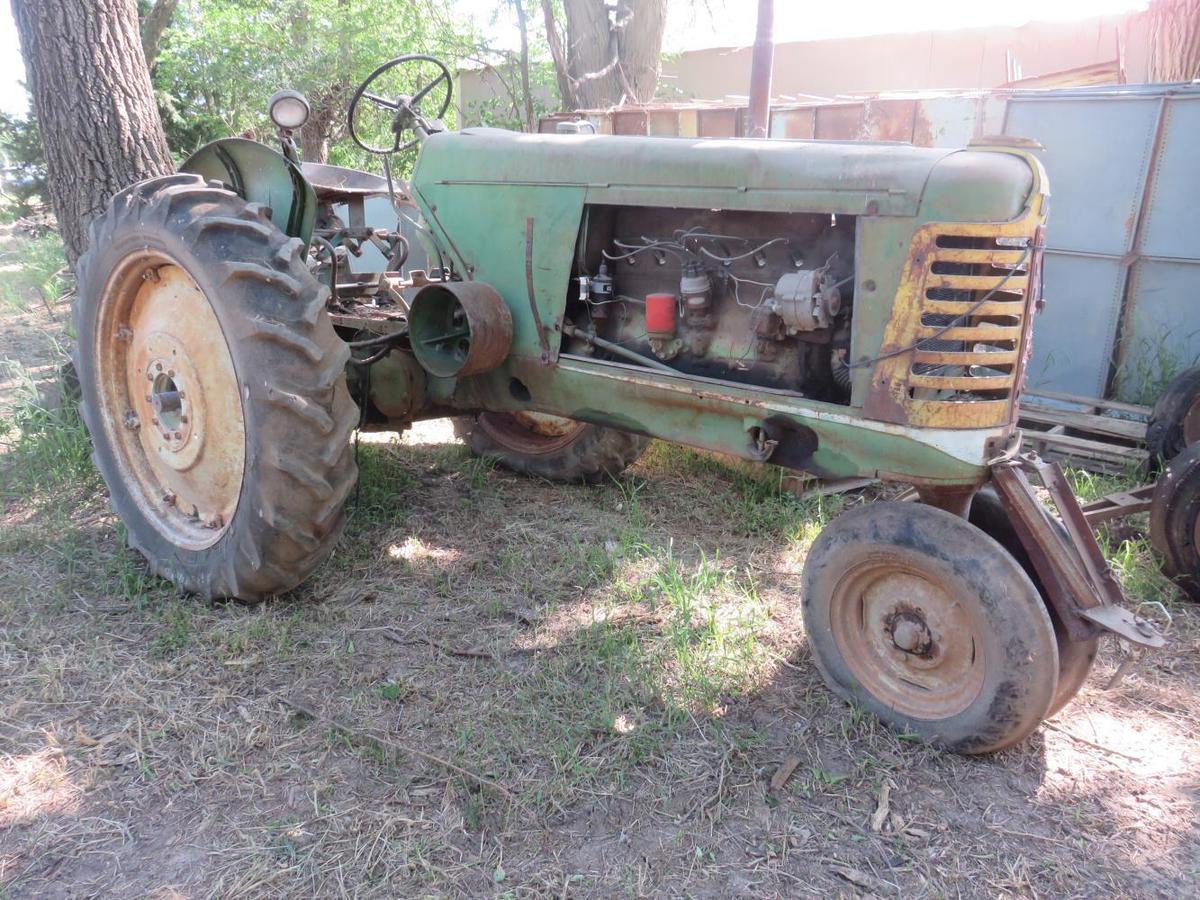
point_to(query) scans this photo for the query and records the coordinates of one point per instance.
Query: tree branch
(153, 26)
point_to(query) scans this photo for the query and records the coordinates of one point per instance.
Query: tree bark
(328, 102)
(153, 26)
(91, 91)
(554, 38)
(1174, 40)
(610, 58)
(519, 5)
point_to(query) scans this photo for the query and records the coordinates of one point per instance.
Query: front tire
(213, 386)
(1075, 658)
(931, 625)
(551, 447)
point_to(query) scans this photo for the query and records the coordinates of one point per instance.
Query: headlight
(288, 109)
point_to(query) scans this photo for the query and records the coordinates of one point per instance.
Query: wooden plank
(1082, 448)
(1101, 425)
(1093, 402)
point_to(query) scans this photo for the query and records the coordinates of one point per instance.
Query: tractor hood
(851, 178)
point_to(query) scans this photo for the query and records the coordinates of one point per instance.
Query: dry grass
(627, 661)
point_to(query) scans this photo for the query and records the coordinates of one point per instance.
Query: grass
(626, 659)
(32, 271)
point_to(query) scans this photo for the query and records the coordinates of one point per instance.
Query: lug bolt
(183, 420)
(150, 275)
(170, 373)
(130, 420)
(158, 367)
(124, 333)
(178, 436)
(169, 498)
(215, 522)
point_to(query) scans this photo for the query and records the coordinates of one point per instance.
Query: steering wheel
(394, 107)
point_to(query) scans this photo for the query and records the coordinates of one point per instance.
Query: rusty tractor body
(839, 309)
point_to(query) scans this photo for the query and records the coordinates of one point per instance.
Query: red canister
(660, 315)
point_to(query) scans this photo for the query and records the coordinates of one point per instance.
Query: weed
(46, 445)
(176, 634)
(40, 277)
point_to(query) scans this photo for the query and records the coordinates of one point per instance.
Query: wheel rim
(907, 639)
(530, 432)
(169, 400)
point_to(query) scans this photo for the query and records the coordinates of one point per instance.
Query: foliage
(222, 59)
(23, 173)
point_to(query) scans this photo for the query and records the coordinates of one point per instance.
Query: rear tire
(1075, 658)
(1175, 521)
(214, 389)
(930, 624)
(1175, 420)
(551, 447)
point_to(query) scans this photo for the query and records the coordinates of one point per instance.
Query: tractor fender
(258, 174)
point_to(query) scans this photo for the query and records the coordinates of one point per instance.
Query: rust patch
(955, 349)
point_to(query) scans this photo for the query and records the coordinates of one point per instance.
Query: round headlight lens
(288, 109)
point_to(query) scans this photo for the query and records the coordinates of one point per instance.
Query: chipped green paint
(485, 192)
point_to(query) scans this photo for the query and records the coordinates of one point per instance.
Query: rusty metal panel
(839, 121)
(916, 379)
(887, 119)
(631, 121)
(662, 122)
(689, 123)
(947, 121)
(794, 123)
(721, 122)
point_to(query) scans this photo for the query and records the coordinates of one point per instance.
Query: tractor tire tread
(298, 412)
(596, 455)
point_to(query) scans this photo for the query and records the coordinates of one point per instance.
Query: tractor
(840, 309)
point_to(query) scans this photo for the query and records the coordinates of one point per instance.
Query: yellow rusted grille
(953, 352)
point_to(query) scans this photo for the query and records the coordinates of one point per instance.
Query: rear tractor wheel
(1175, 420)
(930, 624)
(1175, 520)
(213, 386)
(551, 447)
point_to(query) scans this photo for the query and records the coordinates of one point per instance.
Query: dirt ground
(503, 687)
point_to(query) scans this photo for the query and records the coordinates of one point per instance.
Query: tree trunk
(153, 26)
(328, 102)
(611, 58)
(519, 5)
(640, 45)
(1174, 40)
(91, 92)
(554, 38)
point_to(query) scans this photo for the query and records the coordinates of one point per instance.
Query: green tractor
(839, 309)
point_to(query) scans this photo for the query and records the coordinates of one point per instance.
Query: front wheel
(931, 625)
(213, 386)
(551, 447)
(1075, 658)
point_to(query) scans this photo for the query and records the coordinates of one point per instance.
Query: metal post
(760, 70)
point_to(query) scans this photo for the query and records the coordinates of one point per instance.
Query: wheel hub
(907, 639)
(909, 632)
